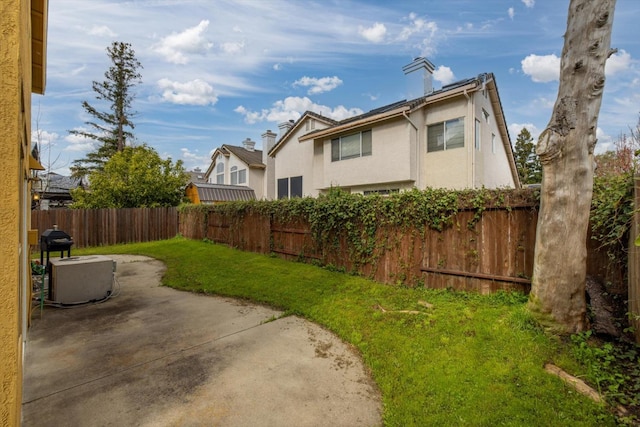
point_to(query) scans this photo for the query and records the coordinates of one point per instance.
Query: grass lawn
(464, 359)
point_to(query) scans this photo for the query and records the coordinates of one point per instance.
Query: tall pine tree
(111, 129)
(527, 161)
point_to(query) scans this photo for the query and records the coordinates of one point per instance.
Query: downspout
(404, 113)
(471, 145)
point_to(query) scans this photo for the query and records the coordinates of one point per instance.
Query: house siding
(390, 155)
(294, 158)
(15, 124)
(492, 168)
(449, 168)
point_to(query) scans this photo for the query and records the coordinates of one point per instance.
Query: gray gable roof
(251, 158)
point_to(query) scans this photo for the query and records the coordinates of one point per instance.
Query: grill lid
(55, 238)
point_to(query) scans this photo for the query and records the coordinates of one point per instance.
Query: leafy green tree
(134, 177)
(527, 161)
(111, 129)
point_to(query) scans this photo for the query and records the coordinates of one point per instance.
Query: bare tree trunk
(566, 148)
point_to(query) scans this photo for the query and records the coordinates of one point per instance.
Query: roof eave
(39, 18)
(358, 123)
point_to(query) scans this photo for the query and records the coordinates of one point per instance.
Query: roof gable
(251, 158)
(297, 125)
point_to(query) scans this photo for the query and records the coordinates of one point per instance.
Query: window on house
(385, 192)
(283, 188)
(493, 143)
(220, 173)
(446, 135)
(296, 186)
(238, 176)
(234, 175)
(351, 146)
(477, 135)
(310, 125)
(290, 187)
(486, 115)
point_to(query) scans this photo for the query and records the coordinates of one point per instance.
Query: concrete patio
(154, 356)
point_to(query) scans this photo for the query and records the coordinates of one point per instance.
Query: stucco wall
(15, 103)
(449, 168)
(296, 159)
(390, 159)
(492, 167)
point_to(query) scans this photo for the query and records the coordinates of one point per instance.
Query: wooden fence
(634, 264)
(97, 227)
(494, 253)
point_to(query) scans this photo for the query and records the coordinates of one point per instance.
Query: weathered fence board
(98, 227)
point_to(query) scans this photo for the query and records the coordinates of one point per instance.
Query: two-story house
(455, 137)
(235, 173)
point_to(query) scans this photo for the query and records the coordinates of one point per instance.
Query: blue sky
(219, 71)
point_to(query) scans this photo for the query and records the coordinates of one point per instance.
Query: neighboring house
(241, 166)
(455, 137)
(197, 175)
(53, 191)
(22, 71)
(205, 193)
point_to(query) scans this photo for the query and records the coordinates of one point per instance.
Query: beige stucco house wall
(293, 158)
(22, 70)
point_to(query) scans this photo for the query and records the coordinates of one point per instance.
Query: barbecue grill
(53, 240)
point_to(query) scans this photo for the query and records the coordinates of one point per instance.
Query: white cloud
(605, 142)
(417, 26)
(79, 143)
(78, 70)
(511, 11)
(529, 3)
(542, 69)
(176, 46)
(102, 31)
(617, 63)
(232, 48)
(516, 128)
(292, 108)
(277, 67)
(374, 34)
(318, 85)
(194, 159)
(444, 75)
(194, 92)
(43, 137)
(421, 28)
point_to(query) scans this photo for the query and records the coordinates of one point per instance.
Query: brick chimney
(419, 77)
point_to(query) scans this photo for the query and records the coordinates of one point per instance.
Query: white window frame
(442, 138)
(233, 172)
(365, 146)
(493, 143)
(220, 173)
(478, 134)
